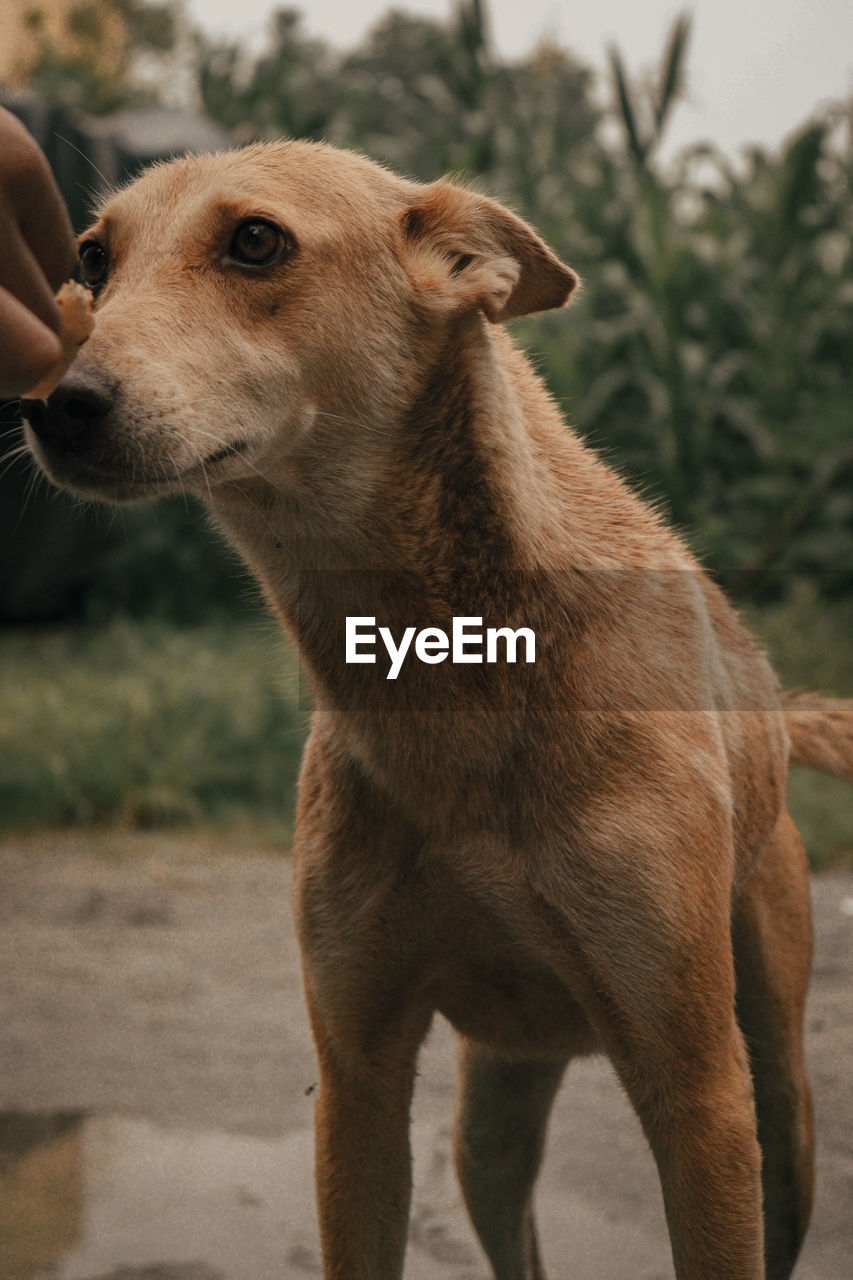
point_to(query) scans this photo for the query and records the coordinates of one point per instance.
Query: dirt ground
(156, 1074)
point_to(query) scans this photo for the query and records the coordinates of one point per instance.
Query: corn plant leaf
(637, 146)
(671, 82)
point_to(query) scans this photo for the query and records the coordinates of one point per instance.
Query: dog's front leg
(357, 916)
(681, 1056)
(654, 972)
(363, 1163)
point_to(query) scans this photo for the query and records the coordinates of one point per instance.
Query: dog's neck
(453, 489)
(474, 502)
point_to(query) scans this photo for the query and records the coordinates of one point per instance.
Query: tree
(89, 62)
(289, 89)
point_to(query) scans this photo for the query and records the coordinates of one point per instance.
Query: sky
(756, 68)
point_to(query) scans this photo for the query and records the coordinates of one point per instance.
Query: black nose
(76, 409)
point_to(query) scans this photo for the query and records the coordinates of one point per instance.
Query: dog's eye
(257, 243)
(93, 262)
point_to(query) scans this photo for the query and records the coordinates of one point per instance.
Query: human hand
(37, 254)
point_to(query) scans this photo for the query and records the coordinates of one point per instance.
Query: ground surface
(156, 1074)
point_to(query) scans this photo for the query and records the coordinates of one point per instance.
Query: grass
(147, 725)
(811, 645)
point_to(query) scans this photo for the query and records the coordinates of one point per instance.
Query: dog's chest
(489, 983)
(522, 1010)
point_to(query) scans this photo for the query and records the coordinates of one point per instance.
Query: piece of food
(78, 321)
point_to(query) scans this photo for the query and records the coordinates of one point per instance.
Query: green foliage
(289, 88)
(73, 80)
(92, 68)
(147, 725)
(152, 27)
(63, 558)
(807, 639)
(809, 643)
(424, 96)
(711, 360)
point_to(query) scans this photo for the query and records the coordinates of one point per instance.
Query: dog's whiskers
(223, 444)
(12, 456)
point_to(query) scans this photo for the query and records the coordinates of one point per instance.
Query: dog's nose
(75, 409)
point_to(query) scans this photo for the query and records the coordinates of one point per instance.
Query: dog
(588, 852)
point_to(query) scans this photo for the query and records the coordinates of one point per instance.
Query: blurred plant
(88, 61)
(785, 231)
(719, 318)
(147, 724)
(288, 89)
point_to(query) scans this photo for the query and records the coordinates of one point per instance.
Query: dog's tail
(821, 732)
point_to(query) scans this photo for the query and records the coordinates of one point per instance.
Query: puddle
(99, 1198)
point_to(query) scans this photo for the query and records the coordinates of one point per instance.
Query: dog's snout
(75, 409)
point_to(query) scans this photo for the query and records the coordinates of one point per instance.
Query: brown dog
(586, 852)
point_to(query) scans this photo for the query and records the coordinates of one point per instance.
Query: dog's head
(262, 308)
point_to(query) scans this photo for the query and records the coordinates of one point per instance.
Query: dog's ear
(464, 252)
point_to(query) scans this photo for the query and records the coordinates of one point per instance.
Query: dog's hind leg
(772, 943)
(501, 1117)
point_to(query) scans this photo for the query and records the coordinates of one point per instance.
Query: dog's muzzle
(73, 418)
(78, 439)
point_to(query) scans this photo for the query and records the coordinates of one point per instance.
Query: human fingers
(23, 278)
(28, 348)
(31, 201)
